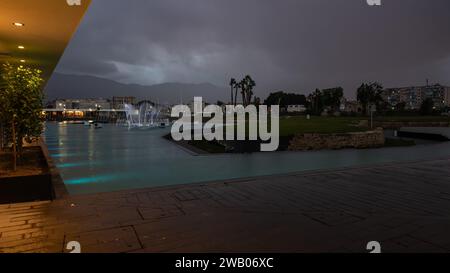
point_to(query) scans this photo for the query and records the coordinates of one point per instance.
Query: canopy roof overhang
(48, 26)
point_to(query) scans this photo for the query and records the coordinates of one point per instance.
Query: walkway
(404, 206)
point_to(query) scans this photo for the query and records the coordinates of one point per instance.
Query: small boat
(98, 126)
(88, 123)
(163, 124)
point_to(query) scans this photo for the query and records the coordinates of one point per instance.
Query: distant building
(295, 108)
(61, 109)
(75, 104)
(447, 97)
(118, 102)
(350, 107)
(414, 96)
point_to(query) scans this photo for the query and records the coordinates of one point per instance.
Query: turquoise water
(114, 158)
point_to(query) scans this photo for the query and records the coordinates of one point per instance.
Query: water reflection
(114, 158)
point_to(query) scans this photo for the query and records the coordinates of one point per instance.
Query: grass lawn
(289, 126)
(324, 125)
(292, 125)
(299, 124)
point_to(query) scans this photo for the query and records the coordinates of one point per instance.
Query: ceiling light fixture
(22, 61)
(21, 47)
(17, 24)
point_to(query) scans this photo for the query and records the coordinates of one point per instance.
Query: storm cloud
(292, 45)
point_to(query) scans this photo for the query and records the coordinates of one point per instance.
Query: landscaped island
(317, 132)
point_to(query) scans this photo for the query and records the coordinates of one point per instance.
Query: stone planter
(43, 185)
(26, 188)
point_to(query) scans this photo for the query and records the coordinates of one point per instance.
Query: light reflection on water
(114, 158)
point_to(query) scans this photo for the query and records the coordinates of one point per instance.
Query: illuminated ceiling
(48, 26)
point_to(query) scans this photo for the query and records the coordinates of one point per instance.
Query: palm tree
(232, 85)
(246, 86)
(243, 86)
(250, 83)
(316, 100)
(236, 87)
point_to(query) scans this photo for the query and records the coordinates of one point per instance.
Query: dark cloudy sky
(292, 45)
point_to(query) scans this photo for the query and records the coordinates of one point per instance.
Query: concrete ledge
(59, 189)
(430, 133)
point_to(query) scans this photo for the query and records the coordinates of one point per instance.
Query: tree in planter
(2, 124)
(21, 102)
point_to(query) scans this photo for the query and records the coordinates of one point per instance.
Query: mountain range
(64, 86)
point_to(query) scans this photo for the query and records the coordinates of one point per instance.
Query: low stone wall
(369, 139)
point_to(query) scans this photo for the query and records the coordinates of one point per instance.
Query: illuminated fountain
(144, 116)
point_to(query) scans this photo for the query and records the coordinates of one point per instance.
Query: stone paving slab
(121, 239)
(404, 206)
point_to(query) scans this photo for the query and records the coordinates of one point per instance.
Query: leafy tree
(446, 109)
(275, 98)
(427, 107)
(3, 123)
(332, 97)
(369, 94)
(284, 99)
(316, 103)
(400, 107)
(294, 99)
(22, 103)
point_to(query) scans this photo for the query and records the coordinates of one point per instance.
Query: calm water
(114, 158)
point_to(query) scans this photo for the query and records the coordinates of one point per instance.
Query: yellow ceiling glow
(41, 29)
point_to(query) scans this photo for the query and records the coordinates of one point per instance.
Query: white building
(414, 96)
(82, 104)
(295, 108)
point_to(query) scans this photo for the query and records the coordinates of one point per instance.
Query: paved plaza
(405, 206)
